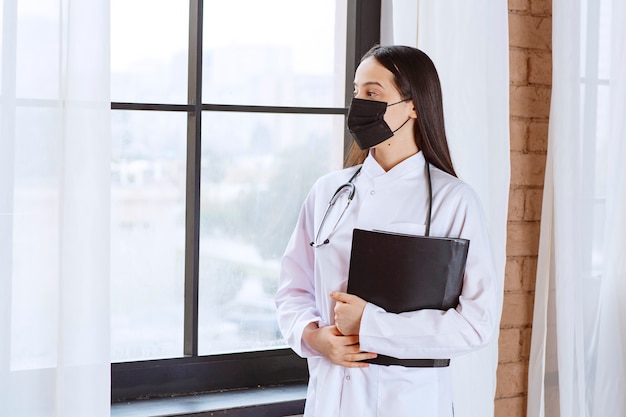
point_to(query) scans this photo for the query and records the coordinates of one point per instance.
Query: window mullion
(192, 217)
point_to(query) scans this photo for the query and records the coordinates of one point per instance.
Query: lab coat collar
(412, 165)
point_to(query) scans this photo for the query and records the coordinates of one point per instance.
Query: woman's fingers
(354, 360)
(339, 349)
(346, 351)
(349, 340)
(348, 312)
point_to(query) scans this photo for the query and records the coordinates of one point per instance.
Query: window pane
(254, 180)
(275, 52)
(149, 44)
(147, 234)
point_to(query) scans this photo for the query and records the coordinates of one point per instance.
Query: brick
(519, 5)
(511, 345)
(541, 7)
(517, 310)
(530, 66)
(514, 345)
(531, 32)
(511, 407)
(519, 134)
(518, 66)
(522, 238)
(517, 199)
(514, 379)
(513, 274)
(529, 273)
(530, 101)
(537, 136)
(527, 169)
(520, 274)
(526, 337)
(540, 67)
(533, 199)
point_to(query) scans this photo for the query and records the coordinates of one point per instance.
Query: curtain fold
(469, 45)
(54, 208)
(579, 326)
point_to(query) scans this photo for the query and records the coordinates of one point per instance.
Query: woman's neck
(393, 151)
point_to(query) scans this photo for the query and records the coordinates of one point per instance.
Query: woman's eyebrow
(369, 83)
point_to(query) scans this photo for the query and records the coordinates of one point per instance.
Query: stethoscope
(351, 190)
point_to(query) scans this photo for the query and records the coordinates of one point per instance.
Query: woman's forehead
(370, 71)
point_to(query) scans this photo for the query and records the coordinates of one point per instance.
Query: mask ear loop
(430, 199)
(398, 102)
(407, 120)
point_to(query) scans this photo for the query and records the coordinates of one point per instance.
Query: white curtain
(54, 208)
(468, 42)
(579, 325)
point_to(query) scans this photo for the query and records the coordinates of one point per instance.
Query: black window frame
(193, 373)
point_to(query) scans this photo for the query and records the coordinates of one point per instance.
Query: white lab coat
(395, 201)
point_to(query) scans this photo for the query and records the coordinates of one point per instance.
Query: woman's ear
(413, 114)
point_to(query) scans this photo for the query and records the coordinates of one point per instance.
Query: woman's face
(372, 81)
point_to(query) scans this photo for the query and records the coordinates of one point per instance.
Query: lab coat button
(372, 192)
(347, 377)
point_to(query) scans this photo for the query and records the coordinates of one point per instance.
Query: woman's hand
(348, 312)
(339, 349)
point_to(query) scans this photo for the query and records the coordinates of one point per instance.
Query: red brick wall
(530, 46)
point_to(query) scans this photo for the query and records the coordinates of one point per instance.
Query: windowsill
(263, 401)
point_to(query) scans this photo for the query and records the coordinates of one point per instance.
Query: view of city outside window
(256, 168)
(149, 48)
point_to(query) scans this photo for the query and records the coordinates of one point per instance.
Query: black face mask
(366, 123)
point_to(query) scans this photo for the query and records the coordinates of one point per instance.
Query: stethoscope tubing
(351, 192)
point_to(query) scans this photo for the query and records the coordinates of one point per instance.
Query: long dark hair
(415, 77)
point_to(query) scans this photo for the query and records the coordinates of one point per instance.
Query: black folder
(402, 273)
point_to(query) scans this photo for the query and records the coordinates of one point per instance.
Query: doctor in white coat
(396, 120)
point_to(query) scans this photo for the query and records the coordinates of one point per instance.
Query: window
(224, 114)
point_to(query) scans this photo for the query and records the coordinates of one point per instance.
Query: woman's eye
(369, 93)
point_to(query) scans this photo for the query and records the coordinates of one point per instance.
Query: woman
(337, 331)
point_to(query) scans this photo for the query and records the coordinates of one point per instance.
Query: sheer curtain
(468, 42)
(54, 208)
(579, 326)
